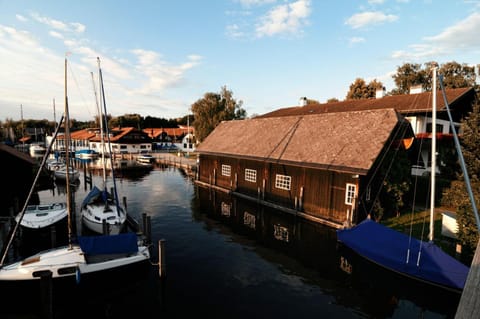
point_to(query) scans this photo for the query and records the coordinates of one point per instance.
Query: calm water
(222, 263)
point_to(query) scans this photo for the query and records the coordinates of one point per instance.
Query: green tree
(456, 196)
(359, 89)
(455, 75)
(213, 108)
(408, 75)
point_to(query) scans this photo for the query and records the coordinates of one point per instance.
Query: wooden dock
(188, 162)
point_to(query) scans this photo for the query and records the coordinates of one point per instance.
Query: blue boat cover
(389, 248)
(123, 243)
(93, 195)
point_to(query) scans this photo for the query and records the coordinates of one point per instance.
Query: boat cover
(93, 195)
(389, 248)
(123, 243)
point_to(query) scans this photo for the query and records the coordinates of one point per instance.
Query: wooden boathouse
(314, 166)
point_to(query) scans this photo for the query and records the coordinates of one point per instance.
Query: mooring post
(53, 237)
(162, 267)
(149, 229)
(46, 293)
(144, 222)
(104, 227)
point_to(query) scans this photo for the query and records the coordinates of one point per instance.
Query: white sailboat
(90, 257)
(101, 210)
(42, 216)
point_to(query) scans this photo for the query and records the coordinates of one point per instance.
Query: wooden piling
(104, 227)
(162, 267)
(53, 237)
(46, 293)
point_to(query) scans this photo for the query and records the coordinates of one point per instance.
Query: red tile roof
(405, 104)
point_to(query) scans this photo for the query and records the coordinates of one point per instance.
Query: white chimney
(416, 89)
(380, 93)
(303, 101)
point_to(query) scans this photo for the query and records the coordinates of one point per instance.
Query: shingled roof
(404, 104)
(347, 141)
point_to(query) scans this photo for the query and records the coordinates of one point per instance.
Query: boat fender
(77, 276)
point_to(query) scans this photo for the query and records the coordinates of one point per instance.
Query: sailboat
(101, 210)
(398, 252)
(90, 257)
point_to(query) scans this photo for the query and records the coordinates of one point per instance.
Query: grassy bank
(418, 223)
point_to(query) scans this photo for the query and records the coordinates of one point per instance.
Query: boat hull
(93, 216)
(43, 216)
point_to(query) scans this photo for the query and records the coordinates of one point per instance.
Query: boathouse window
(283, 182)
(250, 175)
(350, 193)
(226, 170)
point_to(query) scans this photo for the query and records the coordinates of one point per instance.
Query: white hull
(61, 174)
(42, 216)
(93, 216)
(64, 262)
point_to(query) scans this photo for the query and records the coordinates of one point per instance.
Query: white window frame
(350, 193)
(283, 182)
(250, 175)
(226, 170)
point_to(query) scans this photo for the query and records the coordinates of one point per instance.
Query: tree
(213, 108)
(332, 100)
(455, 75)
(361, 90)
(456, 196)
(408, 75)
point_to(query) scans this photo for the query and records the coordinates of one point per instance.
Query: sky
(159, 57)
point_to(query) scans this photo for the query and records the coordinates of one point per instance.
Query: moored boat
(43, 216)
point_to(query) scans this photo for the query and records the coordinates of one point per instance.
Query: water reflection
(231, 258)
(314, 254)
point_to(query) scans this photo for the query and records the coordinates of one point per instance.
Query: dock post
(53, 237)
(104, 227)
(162, 267)
(144, 222)
(46, 293)
(148, 233)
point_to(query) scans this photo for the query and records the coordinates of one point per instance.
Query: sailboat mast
(433, 169)
(67, 161)
(102, 139)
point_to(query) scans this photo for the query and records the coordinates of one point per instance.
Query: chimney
(380, 93)
(416, 89)
(303, 101)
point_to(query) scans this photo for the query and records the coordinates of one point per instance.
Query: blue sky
(159, 57)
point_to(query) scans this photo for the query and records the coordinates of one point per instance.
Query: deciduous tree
(213, 108)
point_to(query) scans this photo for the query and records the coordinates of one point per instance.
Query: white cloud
(454, 39)
(355, 40)
(234, 31)
(368, 18)
(286, 18)
(376, 1)
(59, 25)
(157, 73)
(21, 18)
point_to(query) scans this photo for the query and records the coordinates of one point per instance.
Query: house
(416, 107)
(123, 140)
(315, 166)
(177, 138)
